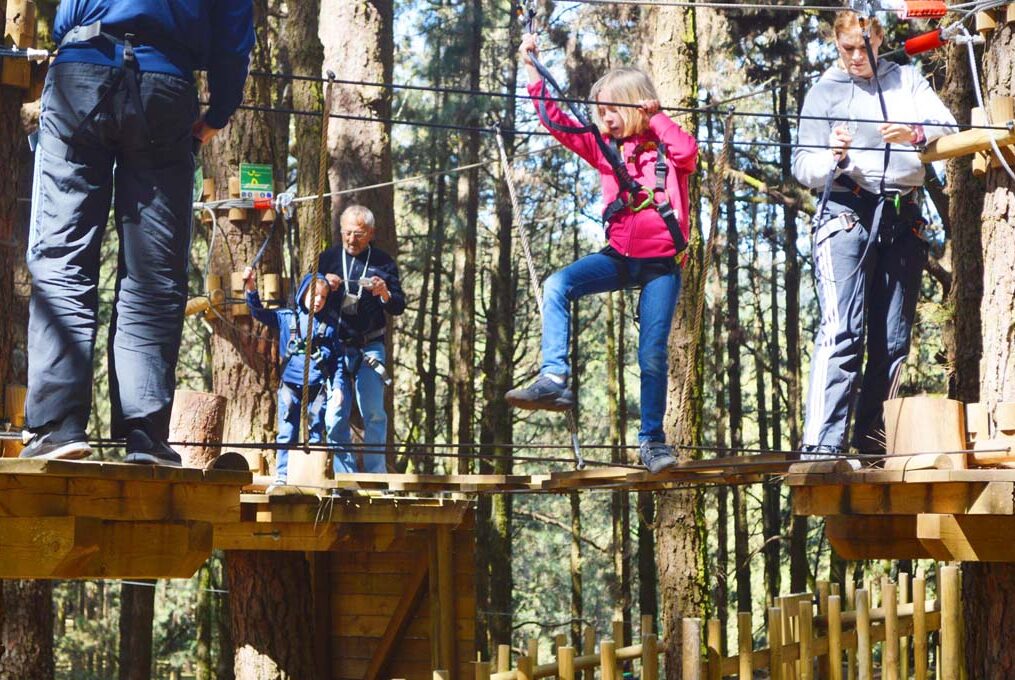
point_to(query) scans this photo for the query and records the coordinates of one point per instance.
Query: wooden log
(237, 286)
(503, 658)
(525, 668)
(14, 413)
(978, 118)
(986, 22)
(482, 670)
(806, 640)
(977, 423)
(864, 656)
(713, 649)
(890, 651)
(921, 425)
(19, 31)
(608, 660)
(197, 417)
(271, 285)
(745, 644)
(236, 214)
(834, 638)
(824, 588)
(950, 615)
(565, 663)
(967, 142)
(775, 670)
(919, 628)
(649, 657)
(208, 194)
(533, 651)
(904, 595)
(618, 632)
(690, 650)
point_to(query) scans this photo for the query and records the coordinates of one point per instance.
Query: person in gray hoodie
(868, 248)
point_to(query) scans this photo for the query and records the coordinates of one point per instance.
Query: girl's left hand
(649, 107)
(898, 133)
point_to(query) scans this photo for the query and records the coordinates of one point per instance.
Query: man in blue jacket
(120, 111)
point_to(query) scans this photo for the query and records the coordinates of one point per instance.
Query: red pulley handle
(924, 43)
(925, 9)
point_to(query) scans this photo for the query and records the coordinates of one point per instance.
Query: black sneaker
(657, 456)
(52, 446)
(544, 393)
(144, 450)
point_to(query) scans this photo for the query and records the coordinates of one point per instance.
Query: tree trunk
(137, 610)
(674, 68)
(772, 513)
(197, 417)
(721, 591)
(204, 613)
(27, 634)
(989, 589)
(963, 343)
(577, 590)
(272, 615)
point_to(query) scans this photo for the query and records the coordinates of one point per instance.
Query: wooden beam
(864, 537)
(399, 621)
(78, 547)
(446, 597)
(424, 511)
(968, 538)
(968, 142)
(980, 498)
(298, 536)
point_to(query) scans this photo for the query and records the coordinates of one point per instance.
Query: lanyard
(345, 272)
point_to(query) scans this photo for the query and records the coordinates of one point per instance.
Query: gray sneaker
(657, 456)
(544, 393)
(50, 446)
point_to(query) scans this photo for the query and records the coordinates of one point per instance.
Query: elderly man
(365, 279)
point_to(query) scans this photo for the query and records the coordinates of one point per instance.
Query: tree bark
(197, 417)
(137, 611)
(989, 589)
(675, 71)
(27, 634)
(272, 616)
(204, 615)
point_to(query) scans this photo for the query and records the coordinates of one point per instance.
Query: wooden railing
(843, 640)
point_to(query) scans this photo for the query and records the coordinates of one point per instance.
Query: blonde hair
(358, 214)
(847, 21)
(623, 86)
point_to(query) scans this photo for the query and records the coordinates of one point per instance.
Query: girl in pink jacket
(646, 230)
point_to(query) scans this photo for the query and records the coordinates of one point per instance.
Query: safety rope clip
(647, 202)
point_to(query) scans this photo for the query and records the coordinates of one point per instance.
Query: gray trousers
(142, 162)
(865, 293)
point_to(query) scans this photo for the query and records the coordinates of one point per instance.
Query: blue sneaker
(657, 456)
(544, 393)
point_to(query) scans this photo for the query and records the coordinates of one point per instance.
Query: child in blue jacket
(292, 349)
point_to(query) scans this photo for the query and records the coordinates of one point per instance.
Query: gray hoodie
(845, 98)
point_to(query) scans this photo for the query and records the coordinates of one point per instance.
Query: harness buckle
(635, 201)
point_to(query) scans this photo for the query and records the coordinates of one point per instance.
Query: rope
(516, 212)
(715, 194)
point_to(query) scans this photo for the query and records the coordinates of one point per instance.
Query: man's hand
(839, 141)
(202, 131)
(379, 288)
(248, 279)
(334, 281)
(898, 133)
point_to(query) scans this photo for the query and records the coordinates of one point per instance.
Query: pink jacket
(641, 234)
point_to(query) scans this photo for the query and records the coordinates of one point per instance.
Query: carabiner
(647, 202)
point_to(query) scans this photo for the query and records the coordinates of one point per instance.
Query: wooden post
(271, 285)
(236, 214)
(525, 668)
(850, 606)
(864, 660)
(904, 640)
(559, 641)
(236, 286)
(890, 653)
(441, 675)
(919, 627)
(446, 593)
(921, 425)
(649, 657)
(713, 649)
(533, 649)
(618, 632)
(20, 29)
(774, 643)
(565, 663)
(950, 613)
(503, 658)
(691, 650)
(482, 670)
(14, 413)
(647, 624)
(834, 637)
(607, 660)
(806, 639)
(745, 643)
(208, 194)
(824, 590)
(197, 417)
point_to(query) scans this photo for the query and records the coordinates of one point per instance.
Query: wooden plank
(400, 617)
(374, 625)
(357, 510)
(446, 596)
(966, 142)
(320, 591)
(297, 536)
(968, 538)
(984, 498)
(122, 471)
(46, 547)
(863, 537)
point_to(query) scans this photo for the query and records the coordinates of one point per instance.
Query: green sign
(256, 181)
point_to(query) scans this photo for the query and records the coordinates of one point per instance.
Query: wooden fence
(907, 636)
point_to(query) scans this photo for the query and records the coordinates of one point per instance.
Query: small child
(644, 239)
(292, 327)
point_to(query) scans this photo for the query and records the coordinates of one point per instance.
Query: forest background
(740, 343)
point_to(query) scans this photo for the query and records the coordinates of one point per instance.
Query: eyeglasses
(355, 234)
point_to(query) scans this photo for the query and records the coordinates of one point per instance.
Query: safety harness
(633, 196)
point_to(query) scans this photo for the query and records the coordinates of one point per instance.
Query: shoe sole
(666, 465)
(149, 459)
(537, 405)
(75, 451)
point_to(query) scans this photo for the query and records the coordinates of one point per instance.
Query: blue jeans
(355, 377)
(290, 405)
(601, 273)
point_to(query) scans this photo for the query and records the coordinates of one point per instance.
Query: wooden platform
(70, 519)
(966, 515)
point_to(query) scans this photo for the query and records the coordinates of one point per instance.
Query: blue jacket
(324, 356)
(177, 37)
